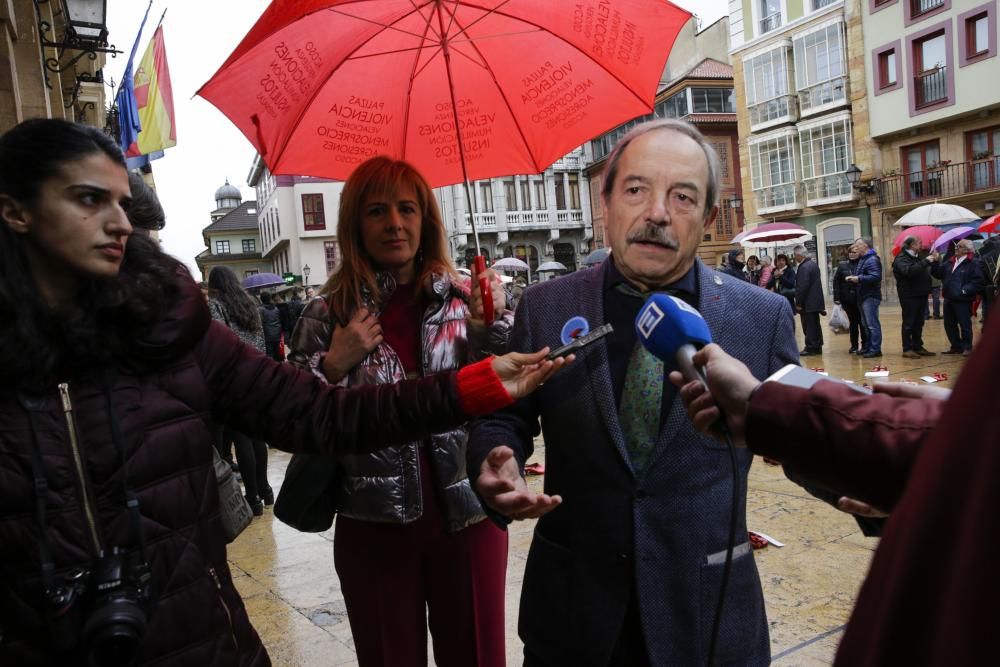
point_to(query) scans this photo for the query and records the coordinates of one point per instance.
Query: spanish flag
(155, 100)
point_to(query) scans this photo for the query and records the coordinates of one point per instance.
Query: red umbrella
(319, 86)
(772, 232)
(990, 225)
(927, 235)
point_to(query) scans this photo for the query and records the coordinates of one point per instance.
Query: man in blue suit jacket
(627, 569)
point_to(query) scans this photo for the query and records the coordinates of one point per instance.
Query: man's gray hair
(867, 240)
(674, 125)
(801, 250)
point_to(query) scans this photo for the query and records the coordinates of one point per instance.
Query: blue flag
(129, 125)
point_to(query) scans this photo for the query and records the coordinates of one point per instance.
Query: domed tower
(227, 198)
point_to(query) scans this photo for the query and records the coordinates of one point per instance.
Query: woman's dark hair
(783, 256)
(39, 345)
(224, 286)
(145, 211)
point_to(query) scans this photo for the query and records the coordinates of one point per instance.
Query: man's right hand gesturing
(503, 488)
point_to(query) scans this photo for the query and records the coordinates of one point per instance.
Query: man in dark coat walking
(961, 280)
(270, 317)
(913, 284)
(809, 300)
(845, 294)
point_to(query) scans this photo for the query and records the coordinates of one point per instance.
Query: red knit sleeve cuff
(480, 391)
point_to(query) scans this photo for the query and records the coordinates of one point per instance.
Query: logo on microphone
(648, 320)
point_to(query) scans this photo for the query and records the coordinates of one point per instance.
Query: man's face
(656, 207)
(799, 256)
(917, 245)
(963, 248)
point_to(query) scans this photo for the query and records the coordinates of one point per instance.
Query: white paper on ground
(877, 374)
(928, 378)
(770, 539)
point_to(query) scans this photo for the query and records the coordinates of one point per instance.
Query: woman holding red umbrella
(413, 545)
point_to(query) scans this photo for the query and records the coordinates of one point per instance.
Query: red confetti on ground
(756, 541)
(818, 370)
(534, 469)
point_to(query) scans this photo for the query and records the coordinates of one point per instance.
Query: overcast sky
(199, 35)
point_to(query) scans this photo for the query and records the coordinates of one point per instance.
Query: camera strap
(131, 500)
(31, 405)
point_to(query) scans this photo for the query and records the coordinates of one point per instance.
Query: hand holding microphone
(714, 386)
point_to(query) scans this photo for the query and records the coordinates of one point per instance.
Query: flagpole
(135, 44)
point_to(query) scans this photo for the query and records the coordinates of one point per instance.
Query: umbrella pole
(480, 261)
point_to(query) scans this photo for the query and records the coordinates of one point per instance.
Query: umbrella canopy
(259, 280)
(319, 86)
(936, 215)
(925, 233)
(772, 233)
(952, 235)
(550, 266)
(990, 225)
(597, 256)
(510, 264)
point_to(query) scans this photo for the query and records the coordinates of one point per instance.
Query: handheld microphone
(672, 330)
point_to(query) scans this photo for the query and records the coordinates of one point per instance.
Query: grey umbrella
(550, 266)
(597, 256)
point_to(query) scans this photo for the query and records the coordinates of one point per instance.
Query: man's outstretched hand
(503, 488)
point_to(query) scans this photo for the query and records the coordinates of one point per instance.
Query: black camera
(101, 613)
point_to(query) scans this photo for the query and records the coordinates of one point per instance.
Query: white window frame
(769, 103)
(763, 191)
(822, 185)
(806, 89)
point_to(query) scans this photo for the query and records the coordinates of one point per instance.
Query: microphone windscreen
(665, 323)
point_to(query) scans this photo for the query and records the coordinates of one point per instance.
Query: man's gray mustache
(653, 234)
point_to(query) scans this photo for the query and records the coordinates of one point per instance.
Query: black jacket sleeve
(297, 412)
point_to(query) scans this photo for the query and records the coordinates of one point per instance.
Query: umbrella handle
(484, 289)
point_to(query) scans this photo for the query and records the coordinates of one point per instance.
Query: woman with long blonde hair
(413, 545)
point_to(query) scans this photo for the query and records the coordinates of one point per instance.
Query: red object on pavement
(319, 86)
(925, 233)
(756, 541)
(534, 469)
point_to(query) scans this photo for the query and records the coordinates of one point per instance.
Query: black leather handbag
(305, 501)
(235, 510)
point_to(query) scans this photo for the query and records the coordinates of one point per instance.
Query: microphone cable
(730, 546)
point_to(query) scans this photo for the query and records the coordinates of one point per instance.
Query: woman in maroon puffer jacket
(110, 368)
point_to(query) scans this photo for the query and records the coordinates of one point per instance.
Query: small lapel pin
(574, 328)
(718, 280)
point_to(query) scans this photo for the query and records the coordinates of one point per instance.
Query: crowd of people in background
(952, 286)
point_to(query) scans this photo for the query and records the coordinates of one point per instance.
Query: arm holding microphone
(862, 446)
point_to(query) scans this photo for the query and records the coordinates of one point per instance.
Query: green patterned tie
(642, 397)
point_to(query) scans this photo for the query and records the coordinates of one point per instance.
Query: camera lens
(114, 631)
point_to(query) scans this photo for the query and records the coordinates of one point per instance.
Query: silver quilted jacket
(384, 486)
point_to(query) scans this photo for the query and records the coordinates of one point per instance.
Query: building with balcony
(935, 107)
(803, 118)
(232, 239)
(40, 81)
(697, 86)
(535, 218)
(297, 221)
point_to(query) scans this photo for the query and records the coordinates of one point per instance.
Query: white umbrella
(550, 266)
(936, 214)
(511, 264)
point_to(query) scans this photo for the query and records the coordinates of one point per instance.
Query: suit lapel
(597, 367)
(712, 306)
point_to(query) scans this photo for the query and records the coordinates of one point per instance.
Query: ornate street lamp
(853, 174)
(86, 31)
(305, 275)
